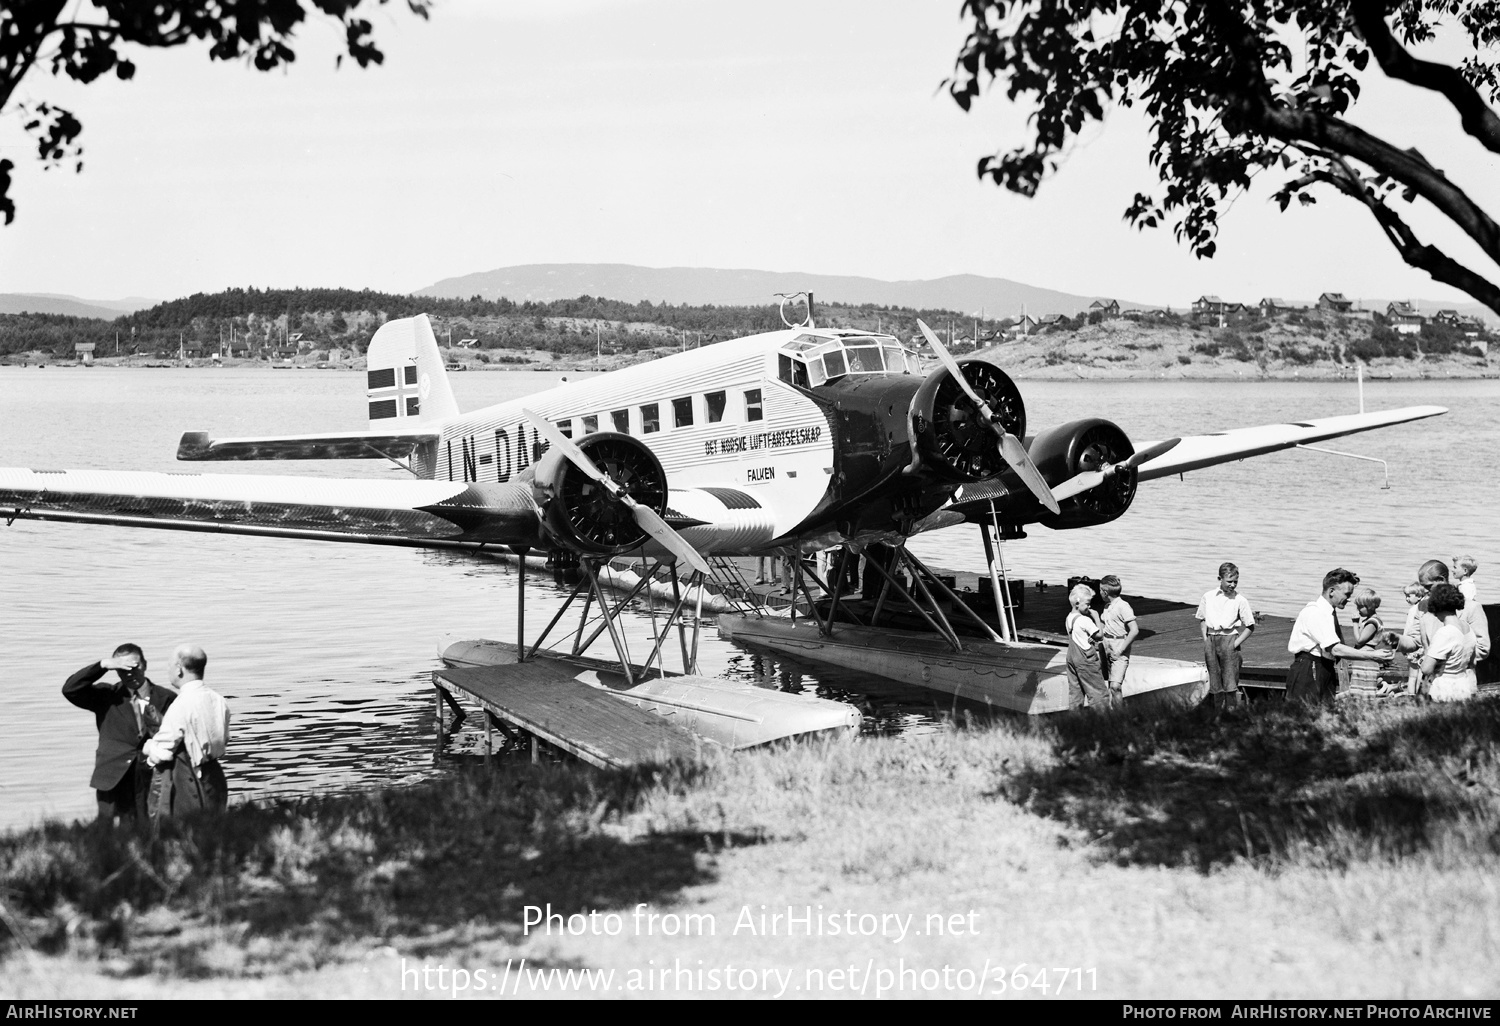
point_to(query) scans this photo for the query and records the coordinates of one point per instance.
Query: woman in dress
(1448, 665)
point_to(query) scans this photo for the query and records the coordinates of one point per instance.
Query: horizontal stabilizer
(1196, 451)
(197, 446)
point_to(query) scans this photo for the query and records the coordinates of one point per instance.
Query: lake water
(324, 650)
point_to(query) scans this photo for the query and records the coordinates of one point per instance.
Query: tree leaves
(259, 32)
(1233, 88)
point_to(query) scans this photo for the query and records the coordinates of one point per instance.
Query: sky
(775, 136)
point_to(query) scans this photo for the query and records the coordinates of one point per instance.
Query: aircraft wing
(1196, 451)
(427, 514)
(197, 446)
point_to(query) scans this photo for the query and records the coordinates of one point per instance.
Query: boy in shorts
(1120, 630)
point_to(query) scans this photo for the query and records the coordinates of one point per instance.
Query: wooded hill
(274, 321)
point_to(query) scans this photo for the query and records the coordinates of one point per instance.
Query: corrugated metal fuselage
(759, 458)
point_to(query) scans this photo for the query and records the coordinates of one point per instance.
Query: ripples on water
(325, 650)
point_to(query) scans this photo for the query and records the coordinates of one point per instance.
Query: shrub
(1184, 358)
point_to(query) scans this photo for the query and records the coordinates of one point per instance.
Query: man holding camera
(127, 712)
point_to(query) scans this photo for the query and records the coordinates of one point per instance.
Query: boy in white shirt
(1227, 623)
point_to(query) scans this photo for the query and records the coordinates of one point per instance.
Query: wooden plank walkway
(542, 697)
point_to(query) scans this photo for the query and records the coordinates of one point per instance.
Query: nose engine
(1086, 445)
(578, 512)
(952, 440)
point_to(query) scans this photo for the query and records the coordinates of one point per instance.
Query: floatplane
(789, 442)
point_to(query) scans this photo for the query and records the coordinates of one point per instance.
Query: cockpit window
(864, 360)
(811, 360)
(793, 372)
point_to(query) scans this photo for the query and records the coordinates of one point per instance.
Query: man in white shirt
(1316, 641)
(187, 750)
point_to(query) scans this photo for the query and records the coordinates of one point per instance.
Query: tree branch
(1396, 61)
(1416, 253)
(1259, 111)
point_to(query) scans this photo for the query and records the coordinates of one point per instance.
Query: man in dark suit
(127, 712)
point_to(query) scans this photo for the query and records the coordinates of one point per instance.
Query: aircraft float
(788, 442)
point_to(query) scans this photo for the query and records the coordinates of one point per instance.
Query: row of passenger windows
(647, 419)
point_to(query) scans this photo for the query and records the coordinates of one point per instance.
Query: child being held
(1415, 592)
(1464, 569)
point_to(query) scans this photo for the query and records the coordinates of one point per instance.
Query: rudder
(407, 376)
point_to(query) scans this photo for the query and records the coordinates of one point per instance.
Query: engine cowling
(579, 513)
(951, 438)
(1078, 446)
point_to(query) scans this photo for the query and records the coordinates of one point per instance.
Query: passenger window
(682, 412)
(622, 420)
(784, 367)
(753, 408)
(715, 401)
(833, 363)
(650, 418)
(591, 423)
(565, 427)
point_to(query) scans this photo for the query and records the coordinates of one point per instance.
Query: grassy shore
(1262, 852)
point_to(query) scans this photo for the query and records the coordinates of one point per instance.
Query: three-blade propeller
(1011, 448)
(649, 520)
(1094, 478)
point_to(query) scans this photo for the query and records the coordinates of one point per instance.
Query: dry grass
(1268, 852)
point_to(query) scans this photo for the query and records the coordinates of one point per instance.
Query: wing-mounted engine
(580, 512)
(1079, 447)
(952, 440)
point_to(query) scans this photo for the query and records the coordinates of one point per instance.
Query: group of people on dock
(160, 746)
(1446, 634)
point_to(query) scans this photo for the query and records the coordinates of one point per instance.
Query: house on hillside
(1054, 321)
(1026, 325)
(1472, 327)
(1108, 307)
(1335, 302)
(1273, 306)
(1404, 318)
(1213, 310)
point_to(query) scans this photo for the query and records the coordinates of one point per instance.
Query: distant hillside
(965, 293)
(70, 306)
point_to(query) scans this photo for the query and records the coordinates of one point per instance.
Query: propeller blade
(575, 455)
(1094, 478)
(1010, 446)
(1079, 483)
(1147, 455)
(1015, 454)
(649, 520)
(952, 367)
(652, 523)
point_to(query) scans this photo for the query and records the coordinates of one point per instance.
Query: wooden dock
(542, 698)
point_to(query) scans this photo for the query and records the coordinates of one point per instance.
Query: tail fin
(408, 379)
